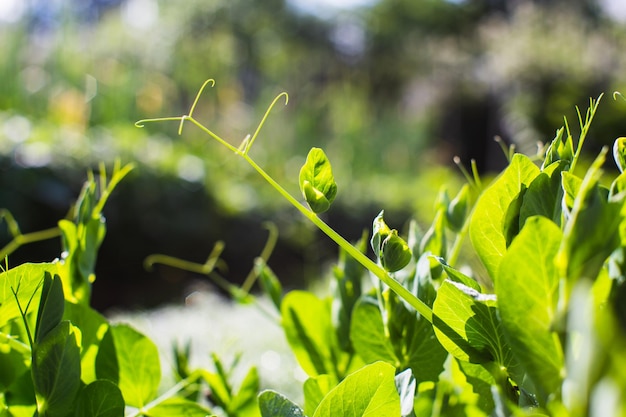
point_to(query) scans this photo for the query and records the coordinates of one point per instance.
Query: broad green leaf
(131, 360)
(368, 392)
(592, 232)
(527, 288)
(317, 182)
(178, 407)
(544, 195)
(368, 334)
(273, 404)
(307, 324)
(93, 326)
(413, 340)
(27, 280)
(315, 389)
(51, 306)
(496, 214)
(56, 370)
(468, 326)
(100, 398)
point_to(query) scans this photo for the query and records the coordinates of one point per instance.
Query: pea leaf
(527, 290)
(56, 370)
(93, 327)
(317, 182)
(544, 195)
(368, 333)
(25, 279)
(131, 360)
(315, 389)
(468, 326)
(307, 324)
(368, 392)
(51, 306)
(100, 398)
(273, 404)
(496, 215)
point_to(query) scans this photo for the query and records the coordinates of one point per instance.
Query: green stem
(360, 257)
(27, 238)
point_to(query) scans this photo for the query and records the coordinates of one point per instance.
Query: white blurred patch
(140, 14)
(190, 168)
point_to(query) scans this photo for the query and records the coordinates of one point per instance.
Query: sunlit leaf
(527, 289)
(100, 398)
(368, 392)
(273, 404)
(496, 215)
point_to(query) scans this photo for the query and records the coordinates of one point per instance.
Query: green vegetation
(538, 330)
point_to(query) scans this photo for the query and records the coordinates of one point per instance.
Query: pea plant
(406, 328)
(537, 330)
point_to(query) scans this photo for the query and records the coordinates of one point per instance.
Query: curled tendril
(248, 141)
(195, 103)
(617, 94)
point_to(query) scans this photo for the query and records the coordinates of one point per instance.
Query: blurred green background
(391, 89)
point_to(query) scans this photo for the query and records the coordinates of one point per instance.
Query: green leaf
(131, 360)
(468, 326)
(592, 232)
(527, 290)
(544, 195)
(51, 306)
(307, 324)
(178, 407)
(434, 241)
(273, 404)
(368, 334)
(26, 279)
(458, 209)
(368, 392)
(56, 370)
(413, 340)
(100, 398)
(458, 276)
(315, 389)
(494, 219)
(317, 182)
(93, 327)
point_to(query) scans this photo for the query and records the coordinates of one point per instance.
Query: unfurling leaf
(392, 251)
(317, 183)
(395, 252)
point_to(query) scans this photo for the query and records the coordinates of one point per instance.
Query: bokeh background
(391, 89)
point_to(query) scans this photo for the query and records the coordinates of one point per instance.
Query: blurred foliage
(392, 90)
